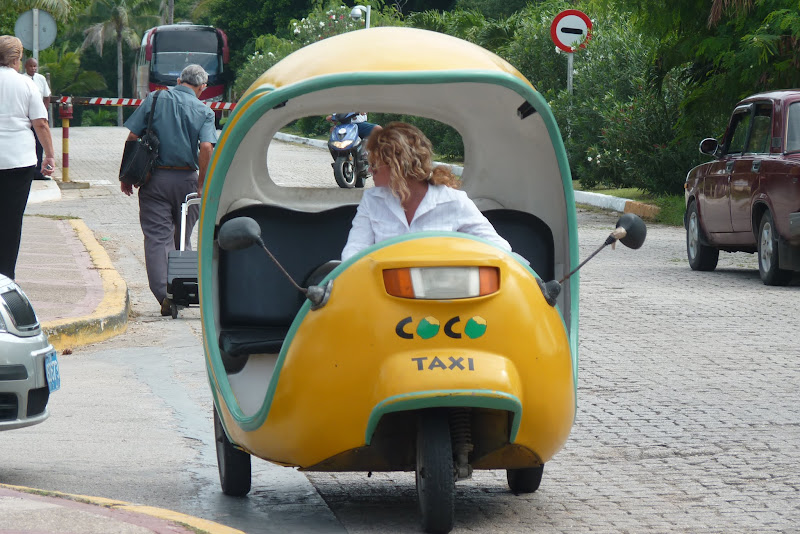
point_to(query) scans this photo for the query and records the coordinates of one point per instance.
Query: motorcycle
(436, 353)
(350, 167)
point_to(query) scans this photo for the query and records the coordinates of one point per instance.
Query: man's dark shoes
(41, 177)
(166, 307)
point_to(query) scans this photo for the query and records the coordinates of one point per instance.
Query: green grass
(672, 207)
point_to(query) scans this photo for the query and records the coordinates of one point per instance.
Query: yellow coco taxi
(431, 352)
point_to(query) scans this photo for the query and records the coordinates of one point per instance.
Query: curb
(196, 523)
(43, 191)
(110, 318)
(622, 205)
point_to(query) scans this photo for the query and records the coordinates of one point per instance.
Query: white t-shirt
(20, 102)
(380, 216)
(41, 84)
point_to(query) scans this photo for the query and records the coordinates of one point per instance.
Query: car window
(741, 122)
(793, 135)
(761, 136)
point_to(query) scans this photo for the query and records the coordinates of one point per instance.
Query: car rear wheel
(768, 260)
(701, 257)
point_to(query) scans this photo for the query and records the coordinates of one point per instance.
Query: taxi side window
(741, 123)
(761, 136)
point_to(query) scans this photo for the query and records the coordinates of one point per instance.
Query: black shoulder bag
(140, 155)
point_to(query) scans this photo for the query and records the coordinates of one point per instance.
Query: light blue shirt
(181, 122)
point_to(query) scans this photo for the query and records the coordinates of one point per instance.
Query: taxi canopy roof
(514, 155)
(386, 49)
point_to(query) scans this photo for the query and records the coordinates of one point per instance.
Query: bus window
(175, 50)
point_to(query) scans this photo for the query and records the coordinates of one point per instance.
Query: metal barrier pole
(65, 112)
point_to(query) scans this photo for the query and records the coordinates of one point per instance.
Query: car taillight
(441, 282)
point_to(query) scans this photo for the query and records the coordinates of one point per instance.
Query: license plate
(51, 371)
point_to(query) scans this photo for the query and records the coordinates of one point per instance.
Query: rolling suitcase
(182, 267)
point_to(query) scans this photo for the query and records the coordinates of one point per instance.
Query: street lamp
(355, 14)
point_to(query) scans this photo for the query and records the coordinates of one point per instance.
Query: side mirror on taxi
(710, 147)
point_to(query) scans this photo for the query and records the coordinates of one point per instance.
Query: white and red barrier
(133, 102)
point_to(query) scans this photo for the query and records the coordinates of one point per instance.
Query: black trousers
(37, 173)
(15, 186)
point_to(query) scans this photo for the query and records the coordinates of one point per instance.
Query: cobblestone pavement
(687, 420)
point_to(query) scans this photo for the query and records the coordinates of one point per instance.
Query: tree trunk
(119, 76)
(171, 12)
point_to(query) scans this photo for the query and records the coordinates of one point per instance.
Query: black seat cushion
(528, 236)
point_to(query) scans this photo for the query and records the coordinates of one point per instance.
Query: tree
(60, 9)
(66, 75)
(117, 21)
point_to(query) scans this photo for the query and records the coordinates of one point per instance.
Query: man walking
(31, 69)
(185, 128)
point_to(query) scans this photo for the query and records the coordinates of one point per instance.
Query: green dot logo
(428, 327)
(475, 327)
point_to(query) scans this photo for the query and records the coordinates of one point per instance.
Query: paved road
(688, 415)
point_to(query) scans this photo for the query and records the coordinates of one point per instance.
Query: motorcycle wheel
(344, 170)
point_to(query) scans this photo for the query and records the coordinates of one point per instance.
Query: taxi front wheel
(233, 464)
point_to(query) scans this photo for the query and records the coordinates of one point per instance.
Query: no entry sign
(571, 28)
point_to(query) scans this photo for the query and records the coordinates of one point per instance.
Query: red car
(748, 198)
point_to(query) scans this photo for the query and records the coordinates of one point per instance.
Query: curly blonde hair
(409, 156)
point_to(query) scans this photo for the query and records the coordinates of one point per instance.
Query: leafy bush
(99, 117)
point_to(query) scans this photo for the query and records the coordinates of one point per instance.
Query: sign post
(570, 28)
(36, 29)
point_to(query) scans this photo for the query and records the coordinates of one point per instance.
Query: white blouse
(20, 102)
(444, 209)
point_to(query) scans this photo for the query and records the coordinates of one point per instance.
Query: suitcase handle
(191, 200)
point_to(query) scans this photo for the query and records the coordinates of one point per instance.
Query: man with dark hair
(185, 129)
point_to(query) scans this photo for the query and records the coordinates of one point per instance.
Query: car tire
(768, 259)
(701, 257)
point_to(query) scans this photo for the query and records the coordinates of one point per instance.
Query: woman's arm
(473, 222)
(43, 134)
(361, 234)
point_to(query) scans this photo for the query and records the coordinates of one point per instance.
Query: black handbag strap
(152, 112)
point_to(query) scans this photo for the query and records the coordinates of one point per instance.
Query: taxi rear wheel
(435, 474)
(526, 480)
(233, 464)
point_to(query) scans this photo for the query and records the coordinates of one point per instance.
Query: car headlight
(441, 283)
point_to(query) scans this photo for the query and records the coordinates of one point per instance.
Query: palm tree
(117, 21)
(66, 75)
(58, 8)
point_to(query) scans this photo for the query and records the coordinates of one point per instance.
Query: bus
(167, 49)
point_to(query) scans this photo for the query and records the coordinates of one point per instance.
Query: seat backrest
(528, 236)
(253, 291)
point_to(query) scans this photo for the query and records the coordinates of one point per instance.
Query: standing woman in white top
(21, 107)
(410, 195)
